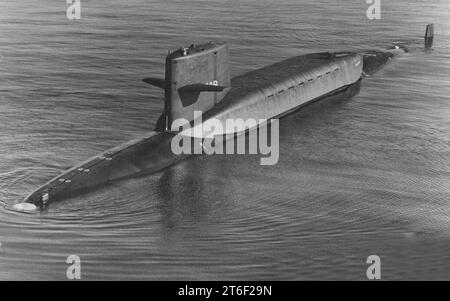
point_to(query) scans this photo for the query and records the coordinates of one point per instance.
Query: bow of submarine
(146, 154)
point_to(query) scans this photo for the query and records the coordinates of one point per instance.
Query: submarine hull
(261, 94)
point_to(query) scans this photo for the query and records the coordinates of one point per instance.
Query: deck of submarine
(265, 77)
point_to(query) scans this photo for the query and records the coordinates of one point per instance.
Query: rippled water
(361, 175)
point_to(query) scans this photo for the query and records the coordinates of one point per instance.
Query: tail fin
(429, 35)
(196, 79)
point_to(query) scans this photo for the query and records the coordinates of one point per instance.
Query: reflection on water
(360, 173)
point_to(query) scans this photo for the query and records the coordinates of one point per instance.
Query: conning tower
(196, 79)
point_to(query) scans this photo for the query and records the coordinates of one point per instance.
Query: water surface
(361, 175)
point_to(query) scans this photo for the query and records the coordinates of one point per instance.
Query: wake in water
(10, 199)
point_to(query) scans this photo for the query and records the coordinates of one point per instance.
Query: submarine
(197, 78)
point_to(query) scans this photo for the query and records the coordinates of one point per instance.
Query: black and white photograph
(240, 142)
